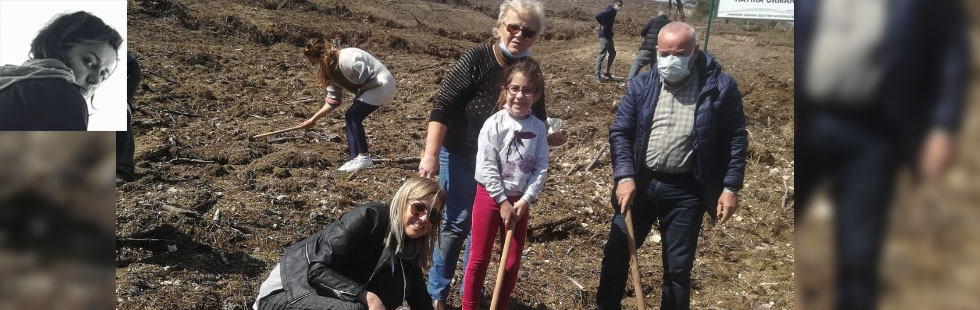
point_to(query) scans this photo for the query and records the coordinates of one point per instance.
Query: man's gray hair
(679, 26)
(661, 13)
(521, 7)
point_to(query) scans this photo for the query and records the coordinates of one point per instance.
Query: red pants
(486, 224)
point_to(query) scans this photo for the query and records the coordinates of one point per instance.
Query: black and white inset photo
(63, 65)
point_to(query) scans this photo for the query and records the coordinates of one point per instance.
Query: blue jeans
(456, 177)
(643, 58)
(606, 46)
(676, 201)
(356, 138)
(855, 151)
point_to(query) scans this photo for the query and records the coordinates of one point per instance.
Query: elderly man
(678, 150)
(649, 46)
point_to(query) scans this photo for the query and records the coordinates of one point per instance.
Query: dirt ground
(217, 72)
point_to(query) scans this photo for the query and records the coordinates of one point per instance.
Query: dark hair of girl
(322, 55)
(531, 71)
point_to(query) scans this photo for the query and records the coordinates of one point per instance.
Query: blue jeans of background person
(606, 46)
(643, 58)
(676, 201)
(857, 153)
(456, 178)
(356, 139)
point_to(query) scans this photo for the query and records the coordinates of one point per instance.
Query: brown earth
(217, 72)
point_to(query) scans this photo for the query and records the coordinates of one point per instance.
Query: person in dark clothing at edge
(648, 49)
(879, 86)
(678, 145)
(69, 60)
(606, 18)
(125, 146)
(371, 258)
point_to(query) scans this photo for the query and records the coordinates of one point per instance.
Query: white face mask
(673, 68)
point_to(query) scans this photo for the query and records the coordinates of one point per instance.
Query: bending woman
(373, 255)
(360, 73)
(69, 59)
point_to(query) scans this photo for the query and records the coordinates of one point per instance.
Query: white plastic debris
(554, 125)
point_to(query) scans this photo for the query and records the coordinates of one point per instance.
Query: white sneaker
(359, 162)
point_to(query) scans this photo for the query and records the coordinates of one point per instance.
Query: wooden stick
(634, 264)
(276, 132)
(597, 156)
(403, 160)
(500, 270)
(190, 160)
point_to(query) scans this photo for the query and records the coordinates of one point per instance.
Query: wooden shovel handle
(500, 270)
(634, 264)
(276, 132)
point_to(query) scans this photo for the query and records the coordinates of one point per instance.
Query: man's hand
(371, 300)
(938, 153)
(727, 204)
(557, 138)
(624, 195)
(507, 213)
(429, 166)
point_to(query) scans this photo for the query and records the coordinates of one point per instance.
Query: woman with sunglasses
(466, 98)
(69, 60)
(372, 256)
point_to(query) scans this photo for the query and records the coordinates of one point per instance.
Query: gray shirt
(672, 130)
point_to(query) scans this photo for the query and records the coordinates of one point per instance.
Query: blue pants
(676, 201)
(456, 177)
(857, 154)
(643, 58)
(356, 139)
(606, 46)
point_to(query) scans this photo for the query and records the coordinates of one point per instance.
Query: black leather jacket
(345, 257)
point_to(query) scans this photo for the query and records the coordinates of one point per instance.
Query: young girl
(360, 73)
(511, 167)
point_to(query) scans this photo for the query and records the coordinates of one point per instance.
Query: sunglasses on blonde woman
(525, 32)
(421, 210)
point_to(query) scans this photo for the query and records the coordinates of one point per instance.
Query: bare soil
(211, 211)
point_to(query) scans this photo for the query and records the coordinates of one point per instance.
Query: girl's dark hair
(323, 56)
(532, 72)
(67, 30)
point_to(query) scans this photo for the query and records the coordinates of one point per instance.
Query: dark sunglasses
(525, 32)
(420, 209)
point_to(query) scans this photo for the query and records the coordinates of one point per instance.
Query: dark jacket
(41, 95)
(720, 139)
(606, 19)
(926, 68)
(341, 260)
(650, 32)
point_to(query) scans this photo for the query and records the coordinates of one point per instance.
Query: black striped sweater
(468, 96)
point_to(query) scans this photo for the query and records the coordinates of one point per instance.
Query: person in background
(372, 257)
(606, 18)
(358, 72)
(125, 146)
(648, 49)
(69, 60)
(467, 97)
(678, 146)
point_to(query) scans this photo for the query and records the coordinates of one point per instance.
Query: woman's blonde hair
(423, 189)
(522, 8)
(323, 57)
